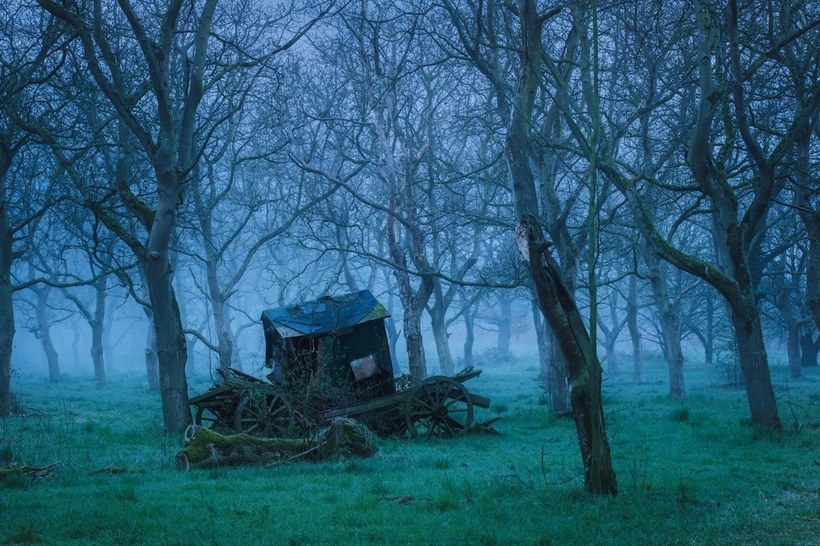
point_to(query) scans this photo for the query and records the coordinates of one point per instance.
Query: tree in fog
(477, 33)
(245, 193)
(731, 164)
(169, 144)
(157, 100)
(91, 301)
(27, 184)
(393, 108)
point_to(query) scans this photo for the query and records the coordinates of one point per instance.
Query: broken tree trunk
(206, 448)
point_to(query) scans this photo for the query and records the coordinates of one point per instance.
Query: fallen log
(33, 472)
(206, 448)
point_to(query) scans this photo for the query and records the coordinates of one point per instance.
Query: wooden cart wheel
(263, 414)
(440, 406)
(206, 417)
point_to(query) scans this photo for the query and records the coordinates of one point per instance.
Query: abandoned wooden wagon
(330, 358)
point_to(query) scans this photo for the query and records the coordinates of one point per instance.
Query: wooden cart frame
(342, 342)
(438, 406)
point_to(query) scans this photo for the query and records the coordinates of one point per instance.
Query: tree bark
(634, 331)
(219, 304)
(709, 344)
(438, 319)
(754, 362)
(541, 339)
(558, 383)
(7, 330)
(171, 349)
(809, 348)
(504, 323)
(414, 341)
(469, 336)
(97, 325)
(784, 301)
(151, 359)
(392, 333)
(44, 333)
(805, 195)
(611, 334)
(412, 302)
(441, 338)
(669, 315)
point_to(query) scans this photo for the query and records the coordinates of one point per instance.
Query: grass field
(691, 472)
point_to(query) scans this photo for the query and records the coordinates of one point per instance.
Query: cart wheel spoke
(205, 417)
(440, 406)
(264, 414)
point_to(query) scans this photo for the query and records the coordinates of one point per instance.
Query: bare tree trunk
(557, 304)
(7, 402)
(7, 329)
(392, 338)
(438, 319)
(414, 341)
(390, 326)
(219, 306)
(44, 332)
(668, 311)
(151, 360)
(809, 348)
(611, 334)
(469, 337)
(504, 322)
(169, 143)
(584, 369)
(558, 386)
(170, 337)
(225, 344)
(793, 349)
(611, 356)
(754, 363)
(441, 338)
(709, 345)
(190, 340)
(541, 339)
(634, 331)
(805, 196)
(75, 344)
(413, 303)
(97, 324)
(783, 299)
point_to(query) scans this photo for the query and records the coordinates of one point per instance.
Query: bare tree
(26, 185)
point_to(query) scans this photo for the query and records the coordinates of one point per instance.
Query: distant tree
(93, 309)
(27, 187)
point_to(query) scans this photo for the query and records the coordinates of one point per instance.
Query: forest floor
(690, 472)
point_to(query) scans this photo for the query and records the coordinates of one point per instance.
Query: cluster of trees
(652, 161)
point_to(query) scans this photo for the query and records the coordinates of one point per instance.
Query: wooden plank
(214, 392)
(466, 375)
(480, 401)
(391, 400)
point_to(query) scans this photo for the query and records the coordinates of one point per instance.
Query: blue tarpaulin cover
(325, 315)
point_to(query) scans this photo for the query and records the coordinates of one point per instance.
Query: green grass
(689, 473)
